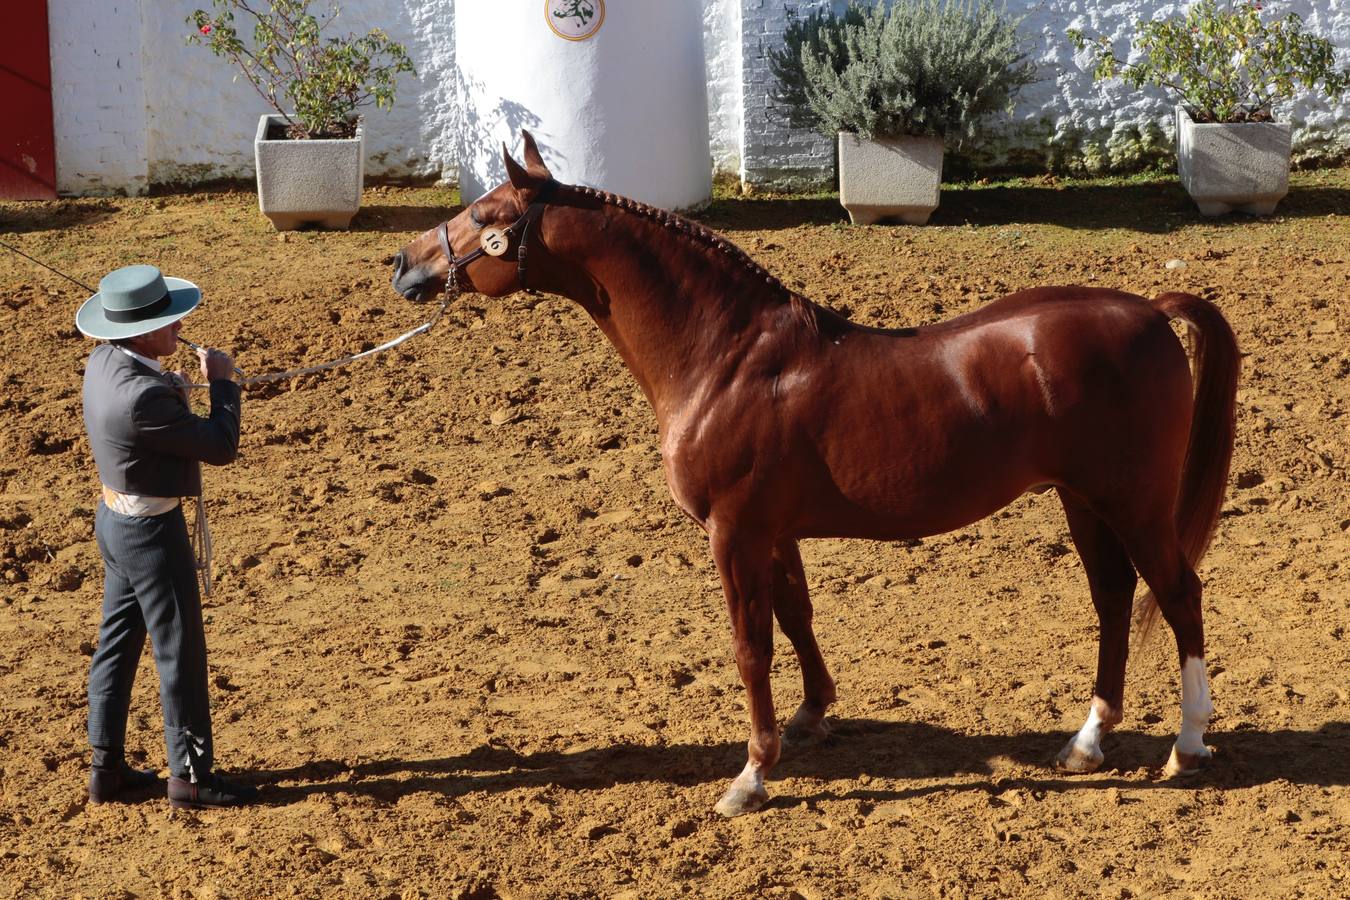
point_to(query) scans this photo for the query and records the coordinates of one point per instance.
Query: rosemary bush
(903, 67)
(325, 81)
(1223, 62)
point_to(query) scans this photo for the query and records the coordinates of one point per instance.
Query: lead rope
(201, 529)
(293, 373)
(200, 535)
(310, 370)
(201, 543)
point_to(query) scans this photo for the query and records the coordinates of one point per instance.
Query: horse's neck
(677, 310)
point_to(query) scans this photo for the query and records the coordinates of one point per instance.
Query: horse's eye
(473, 217)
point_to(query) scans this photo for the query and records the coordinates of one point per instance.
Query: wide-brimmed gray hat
(135, 300)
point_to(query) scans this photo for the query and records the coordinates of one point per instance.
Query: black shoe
(107, 784)
(209, 792)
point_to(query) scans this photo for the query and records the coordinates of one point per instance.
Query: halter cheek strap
(444, 234)
(452, 277)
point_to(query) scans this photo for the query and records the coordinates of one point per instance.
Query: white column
(625, 110)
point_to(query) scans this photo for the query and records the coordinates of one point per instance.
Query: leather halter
(520, 227)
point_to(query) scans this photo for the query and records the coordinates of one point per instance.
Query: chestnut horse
(780, 420)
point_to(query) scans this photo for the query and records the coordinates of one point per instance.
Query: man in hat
(147, 446)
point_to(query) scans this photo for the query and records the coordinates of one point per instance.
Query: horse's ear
(521, 179)
(534, 162)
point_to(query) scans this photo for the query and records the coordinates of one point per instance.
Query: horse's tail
(1204, 475)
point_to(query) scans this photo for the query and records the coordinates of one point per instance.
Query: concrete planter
(1243, 167)
(895, 179)
(309, 182)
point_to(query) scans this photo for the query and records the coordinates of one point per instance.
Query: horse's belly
(890, 501)
(883, 523)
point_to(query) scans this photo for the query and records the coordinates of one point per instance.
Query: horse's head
(483, 243)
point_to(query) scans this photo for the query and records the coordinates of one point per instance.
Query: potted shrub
(895, 82)
(311, 161)
(1228, 68)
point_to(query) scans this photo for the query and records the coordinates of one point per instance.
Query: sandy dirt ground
(469, 647)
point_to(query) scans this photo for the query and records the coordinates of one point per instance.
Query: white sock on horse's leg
(1190, 754)
(1089, 738)
(1196, 707)
(1083, 753)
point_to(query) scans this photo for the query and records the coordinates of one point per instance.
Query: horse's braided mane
(810, 314)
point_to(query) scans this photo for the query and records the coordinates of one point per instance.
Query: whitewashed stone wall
(134, 105)
(1069, 121)
(774, 155)
(722, 46)
(1065, 121)
(202, 120)
(98, 97)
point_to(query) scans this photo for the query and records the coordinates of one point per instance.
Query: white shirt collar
(152, 363)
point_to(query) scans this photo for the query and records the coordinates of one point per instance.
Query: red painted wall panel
(27, 145)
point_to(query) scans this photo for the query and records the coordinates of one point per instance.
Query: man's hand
(216, 364)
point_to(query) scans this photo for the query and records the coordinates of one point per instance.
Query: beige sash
(137, 504)
(199, 534)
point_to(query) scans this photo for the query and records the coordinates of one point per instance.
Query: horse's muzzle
(413, 283)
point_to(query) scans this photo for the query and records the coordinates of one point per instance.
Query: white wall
(134, 105)
(771, 153)
(1066, 120)
(722, 47)
(98, 98)
(1106, 125)
(202, 118)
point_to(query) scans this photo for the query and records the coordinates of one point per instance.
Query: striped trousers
(150, 586)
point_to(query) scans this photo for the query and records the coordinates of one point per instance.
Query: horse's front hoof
(1183, 765)
(738, 801)
(1076, 760)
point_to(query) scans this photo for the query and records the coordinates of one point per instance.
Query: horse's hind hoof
(801, 734)
(1184, 765)
(1075, 760)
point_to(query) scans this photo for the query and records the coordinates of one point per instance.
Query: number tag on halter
(494, 241)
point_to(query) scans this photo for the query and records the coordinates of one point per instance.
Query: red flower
(206, 29)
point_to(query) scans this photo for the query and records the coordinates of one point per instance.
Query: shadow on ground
(394, 218)
(54, 215)
(889, 750)
(1153, 207)
(749, 214)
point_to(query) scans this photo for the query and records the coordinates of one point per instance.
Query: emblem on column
(574, 20)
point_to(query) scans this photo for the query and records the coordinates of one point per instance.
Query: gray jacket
(145, 438)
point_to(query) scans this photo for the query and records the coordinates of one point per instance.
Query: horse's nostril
(398, 261)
